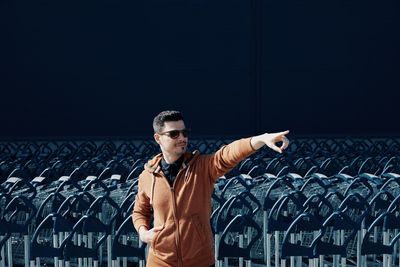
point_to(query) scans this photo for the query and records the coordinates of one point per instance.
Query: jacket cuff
(140, 222)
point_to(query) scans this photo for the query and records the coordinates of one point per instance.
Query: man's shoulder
(145, 175)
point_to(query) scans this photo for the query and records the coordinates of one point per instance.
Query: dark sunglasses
(175, 133)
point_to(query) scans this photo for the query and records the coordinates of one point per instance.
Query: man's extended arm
(230, 155)
(270, 139)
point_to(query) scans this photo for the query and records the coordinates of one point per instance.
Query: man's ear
(157, 138)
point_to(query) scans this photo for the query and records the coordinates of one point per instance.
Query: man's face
(172, 140)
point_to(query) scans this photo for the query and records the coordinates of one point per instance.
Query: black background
(106, 68)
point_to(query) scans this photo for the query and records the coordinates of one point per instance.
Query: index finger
(284, 132)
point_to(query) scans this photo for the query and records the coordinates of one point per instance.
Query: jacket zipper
(177, 236)
(180, 258)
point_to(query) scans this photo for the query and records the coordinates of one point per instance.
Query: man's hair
(167, 115)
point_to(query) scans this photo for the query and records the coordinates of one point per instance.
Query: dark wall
(336, 64)
(106, 68)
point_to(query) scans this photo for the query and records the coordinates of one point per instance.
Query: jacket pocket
(193, 238)
(156, 235)
(199, 229)
(164, 242)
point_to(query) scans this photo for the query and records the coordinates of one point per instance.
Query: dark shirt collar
(176, 165)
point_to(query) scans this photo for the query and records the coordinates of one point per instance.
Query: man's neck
(170, 159)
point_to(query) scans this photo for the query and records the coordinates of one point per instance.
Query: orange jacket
(184, 209)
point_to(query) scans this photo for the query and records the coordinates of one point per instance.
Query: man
(176, 187)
